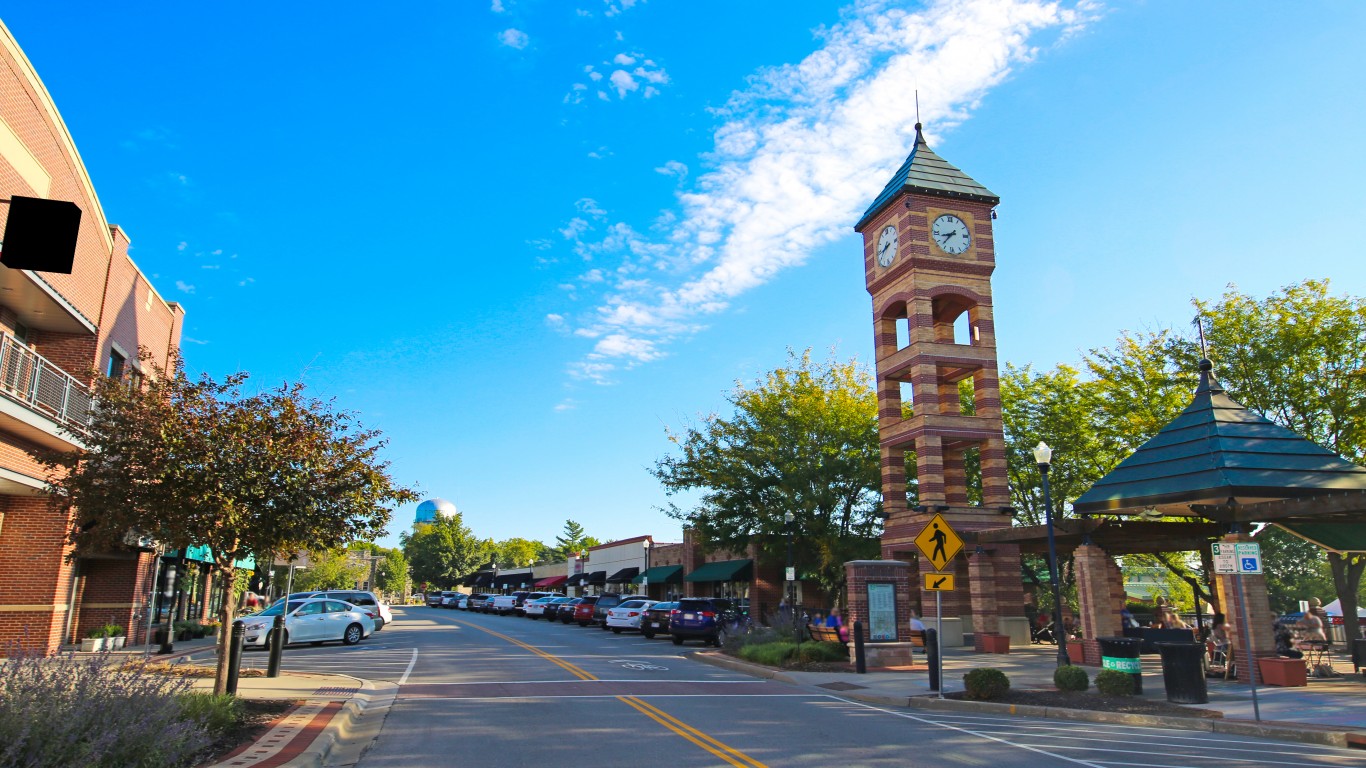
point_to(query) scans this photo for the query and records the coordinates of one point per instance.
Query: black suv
(704, 618)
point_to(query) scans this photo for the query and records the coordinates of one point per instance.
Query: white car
(534, 609)
(368, 602)
(627, 615)
(316, 620)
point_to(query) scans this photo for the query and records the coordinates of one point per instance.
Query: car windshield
(274, 610)
(632, 604)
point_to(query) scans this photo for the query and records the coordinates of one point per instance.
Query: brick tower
(928, 257)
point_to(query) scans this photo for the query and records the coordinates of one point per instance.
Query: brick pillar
(859, 573)
(1099, 614)
(1261, 640)
(982, 585)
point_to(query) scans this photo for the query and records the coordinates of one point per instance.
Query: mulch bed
(1096, 702)
(257, 715)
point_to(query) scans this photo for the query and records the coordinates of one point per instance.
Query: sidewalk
(1332, 706)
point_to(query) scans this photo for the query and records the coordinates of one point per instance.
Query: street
(507, 691)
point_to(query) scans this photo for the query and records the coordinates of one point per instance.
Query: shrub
(98, 632)
(815, 652)
(772, 654)
(113, 630)
(68, 711)
(985, 684)
(1071, 678)
(1112, 682)
(218, 714)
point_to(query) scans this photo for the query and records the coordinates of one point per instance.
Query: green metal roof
(1334, 537)
(726, 570)
(926, 173)
(661, 574)
(1216, 450)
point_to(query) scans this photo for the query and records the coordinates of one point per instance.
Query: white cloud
(623, 59)
(567, 405)
(624, 79)
(615, 7)
(497, 6)
(182, 246)
(514, 38)
(184, 287)
(190, 340)
(673, 168)
(798, 156)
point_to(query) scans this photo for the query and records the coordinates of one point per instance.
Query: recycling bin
(1183, 672)
(1121, 653)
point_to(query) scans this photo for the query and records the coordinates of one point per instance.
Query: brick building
(55, 331)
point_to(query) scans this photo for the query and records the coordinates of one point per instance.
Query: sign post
(1237, 559)
(939, 544)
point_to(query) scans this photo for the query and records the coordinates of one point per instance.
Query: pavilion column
(1099, 614)
(1260, 640)
(982, 585)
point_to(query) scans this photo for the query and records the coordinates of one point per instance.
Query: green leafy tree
(392, 574)
(330, 569)
(444, 551)
(1295, 569)
(573, 541)
(518, 553)
(802, 440)
(194, 462)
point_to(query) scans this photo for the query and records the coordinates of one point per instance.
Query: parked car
(535, 609)
(655, 621)
(701, 618)
(366, 601)
(502, 605)
(529, 597)
(450, 599)
(606, 602)
(474, 600)
(314, 621)
(583, 610)
(564, 612)
(434, 599)
(627, 615)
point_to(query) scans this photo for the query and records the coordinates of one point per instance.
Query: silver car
(313, 620)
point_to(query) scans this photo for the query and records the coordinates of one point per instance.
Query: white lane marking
(1299, 762)
(968, 731)
(535, 697)
(409, 670)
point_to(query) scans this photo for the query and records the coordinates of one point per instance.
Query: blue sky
(523, 238)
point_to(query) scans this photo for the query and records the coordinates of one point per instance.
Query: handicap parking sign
(1250, 565)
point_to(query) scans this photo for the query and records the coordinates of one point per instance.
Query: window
(21, 333)
(117, 362)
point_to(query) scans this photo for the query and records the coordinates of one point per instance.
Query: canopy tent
(726, 570)
(1335, 609)
(661, 574)
(1334, 537)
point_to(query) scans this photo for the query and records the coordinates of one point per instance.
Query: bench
(824, 634)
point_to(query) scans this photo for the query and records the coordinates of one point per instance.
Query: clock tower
(928, 255)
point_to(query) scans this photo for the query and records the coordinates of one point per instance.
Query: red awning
(553, 581)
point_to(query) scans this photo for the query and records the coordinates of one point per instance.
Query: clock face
(951, 234)
(886, 247)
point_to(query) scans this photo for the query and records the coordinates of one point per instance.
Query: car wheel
(353, 634)
(604, 626)
(583, 623)
(616, 630)
(677, 640)
(270, 639)
(715, 640)
(647, 635)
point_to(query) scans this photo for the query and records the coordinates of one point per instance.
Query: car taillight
(632, 613)
(708, 614)
(674, 612)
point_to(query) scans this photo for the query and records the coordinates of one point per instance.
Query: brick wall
(1260, 639)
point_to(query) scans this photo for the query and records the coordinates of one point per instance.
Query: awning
(726, 570)
(513, 579)
(577, 580)
(553, 581)
(623, 576)
(597, 578)
(661, 574)
(483, 580)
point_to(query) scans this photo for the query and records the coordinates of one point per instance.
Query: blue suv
(702, 618)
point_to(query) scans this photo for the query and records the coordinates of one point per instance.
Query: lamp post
(645, 575)
(1044, 456)
(788, 519)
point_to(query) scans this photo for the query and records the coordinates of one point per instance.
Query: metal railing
(33, 380)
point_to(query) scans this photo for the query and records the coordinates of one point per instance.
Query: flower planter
(92, 644)
(1283, 672)
(116, 643)
(1076, 652)
(995, 643)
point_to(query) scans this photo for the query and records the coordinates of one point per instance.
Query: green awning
(726, 570)
(1334, 537)
(203, 554)
(663, 574)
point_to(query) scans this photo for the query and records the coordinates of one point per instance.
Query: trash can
(1183, 672)
(1121, 653)
(1358, 654)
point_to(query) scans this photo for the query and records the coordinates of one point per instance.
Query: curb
(1300, 732)
(342, 725)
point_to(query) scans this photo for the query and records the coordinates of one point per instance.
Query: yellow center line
(730, 755)
(577, 671)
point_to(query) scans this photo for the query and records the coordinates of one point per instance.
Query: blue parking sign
(1249, 564)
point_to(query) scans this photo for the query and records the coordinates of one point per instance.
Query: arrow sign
(937, 582)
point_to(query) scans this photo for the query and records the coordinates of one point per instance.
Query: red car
(583, 612)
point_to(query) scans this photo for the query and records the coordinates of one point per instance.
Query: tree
(194, 462)
(572, 541)
(392, 575)
(330, 569)
(1295, 569)
(802, 440)
(444, 551)
(518, 553)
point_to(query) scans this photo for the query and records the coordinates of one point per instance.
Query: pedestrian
(916, 624)
(836, 622)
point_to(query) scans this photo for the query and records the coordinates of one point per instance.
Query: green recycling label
(1131, 666)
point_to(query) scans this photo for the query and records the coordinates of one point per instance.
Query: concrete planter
(995, 643)
(92, 644)
(115, 643)
(1283, 672)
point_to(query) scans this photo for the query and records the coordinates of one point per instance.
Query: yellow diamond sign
(938, 543)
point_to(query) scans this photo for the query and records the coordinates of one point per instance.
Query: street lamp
(645, 575)
(1044, 456)
(788, 519)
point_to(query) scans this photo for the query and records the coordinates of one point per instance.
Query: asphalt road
(500, 692)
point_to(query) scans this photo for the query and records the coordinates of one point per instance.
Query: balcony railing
(33, 380)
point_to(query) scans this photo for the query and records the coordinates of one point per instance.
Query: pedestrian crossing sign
(938, 543)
